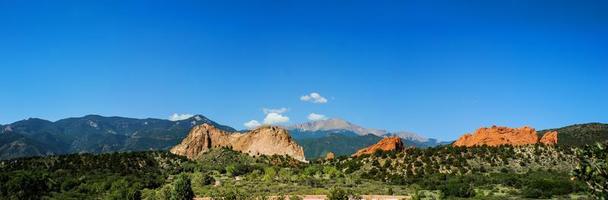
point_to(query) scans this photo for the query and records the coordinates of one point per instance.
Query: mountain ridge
(337, 124)
(93, 134)
(344, 138)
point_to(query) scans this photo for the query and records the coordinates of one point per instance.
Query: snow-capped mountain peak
(336, 124)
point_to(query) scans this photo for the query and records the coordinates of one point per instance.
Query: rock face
(266, 140)
(499, 135)
(550, 138)
(386, 144)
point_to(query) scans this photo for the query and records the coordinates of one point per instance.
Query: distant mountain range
(94, 134)
(98, 134)
(344, 138)
(336, 124)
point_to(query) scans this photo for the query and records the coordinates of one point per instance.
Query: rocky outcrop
(386, 144)
(549, 138)
(499, 135)
(266, 140)
(330, 156)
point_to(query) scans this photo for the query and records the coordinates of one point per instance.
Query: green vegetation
(182, 188)
(593, 169)
(341, 194)
(441, 172)
(105, 176)
(340, 144)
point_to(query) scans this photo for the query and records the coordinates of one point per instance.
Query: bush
(538, 186)
(182, 189)
(458, 189)
(337, 194)
(331, 171)
(240, 169)
(269, 174)
(340, 194)
(229, 194)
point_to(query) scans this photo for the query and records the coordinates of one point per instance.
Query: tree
(121, 190)
(25, 185)
(182, 189)
(593, 169)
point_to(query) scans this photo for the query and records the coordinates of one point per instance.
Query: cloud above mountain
(252, 124)
(275, 118)
(316, 117)
(272, 116)
(314, 97)
(177, 117)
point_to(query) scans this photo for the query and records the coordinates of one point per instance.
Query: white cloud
(177, 117)
(275, 118)
(252, 124)
(316, 117)
(314, 98)
(277, 110)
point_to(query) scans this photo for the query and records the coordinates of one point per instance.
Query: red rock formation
(330, 156)
(386, 144)
(266, 140)
(498, 135)
(549, 138)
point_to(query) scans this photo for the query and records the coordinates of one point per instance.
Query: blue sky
(438, 68)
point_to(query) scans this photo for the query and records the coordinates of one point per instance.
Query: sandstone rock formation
(266, 140)
(499, 135)
(549, 138)
(330, 156)
(386, 144)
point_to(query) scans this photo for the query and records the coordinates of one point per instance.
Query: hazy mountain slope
(298, 134)
(16, 145)
(338, 143)
(324, 127)
(335, 124)
(580, 134)
(345, 138)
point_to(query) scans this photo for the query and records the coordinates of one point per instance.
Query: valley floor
(533, 172)
(323, 197)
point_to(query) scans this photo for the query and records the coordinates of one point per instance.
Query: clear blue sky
(438, 68)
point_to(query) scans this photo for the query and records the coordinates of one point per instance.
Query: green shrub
(337, 194)
(544, 186)
(182, 189)
(341, 194)
(202, 179)
(458, 189)
(229, 194)
(237, 169)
